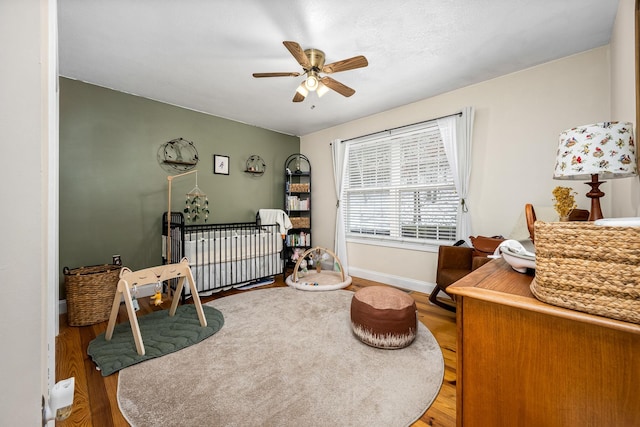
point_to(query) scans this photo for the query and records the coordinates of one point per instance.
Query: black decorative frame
(220, 164)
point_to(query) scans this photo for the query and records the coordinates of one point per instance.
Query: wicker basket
(589, 268)
(299, 188)
(300, 222)
(90, 293)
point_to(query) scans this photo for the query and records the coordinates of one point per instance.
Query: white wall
(24, 74)
(625, 194)
(518, 119)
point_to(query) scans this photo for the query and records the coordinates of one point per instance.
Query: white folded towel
(619, 222)
(276, 216)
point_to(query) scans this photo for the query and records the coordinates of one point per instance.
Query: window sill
(426, 247)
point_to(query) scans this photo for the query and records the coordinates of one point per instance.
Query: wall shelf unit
(255, 166)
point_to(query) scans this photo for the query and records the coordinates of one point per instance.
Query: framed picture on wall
(220, 164)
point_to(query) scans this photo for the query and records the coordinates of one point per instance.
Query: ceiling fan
(312, 61)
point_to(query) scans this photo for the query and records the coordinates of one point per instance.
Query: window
(399, 188)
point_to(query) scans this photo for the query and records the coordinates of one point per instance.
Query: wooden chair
(455, 262)
(530, 215)
(129, 279)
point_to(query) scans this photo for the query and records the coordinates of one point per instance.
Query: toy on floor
(297, 254)
(134, 298)
(152, 275)
(331, 278)
(157, 297)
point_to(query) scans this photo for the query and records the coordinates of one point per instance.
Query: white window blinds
(399, 187)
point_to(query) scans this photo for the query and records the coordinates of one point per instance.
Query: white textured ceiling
(200, 54)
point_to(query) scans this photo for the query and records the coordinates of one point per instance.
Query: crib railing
(225, 255)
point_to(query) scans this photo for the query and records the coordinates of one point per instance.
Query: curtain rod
(400, 127)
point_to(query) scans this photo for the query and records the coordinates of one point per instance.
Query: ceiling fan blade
(346, 64)
(257, 75)
(298, 53)
(298, 97)
(337, 86)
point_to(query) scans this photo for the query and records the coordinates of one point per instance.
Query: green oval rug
(161, 334)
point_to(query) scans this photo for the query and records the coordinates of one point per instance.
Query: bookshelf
(297, 204)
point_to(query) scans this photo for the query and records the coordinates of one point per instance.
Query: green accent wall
(113, 192)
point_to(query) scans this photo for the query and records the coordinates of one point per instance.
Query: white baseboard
(397, 281)
(388, 279)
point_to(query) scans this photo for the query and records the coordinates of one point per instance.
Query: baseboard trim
(389, 279)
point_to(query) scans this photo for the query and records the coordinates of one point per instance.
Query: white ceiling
(200, 54)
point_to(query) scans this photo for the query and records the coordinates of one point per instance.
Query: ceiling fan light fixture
(312, 62)
(312, 82)
(302, 90)
(322, 89)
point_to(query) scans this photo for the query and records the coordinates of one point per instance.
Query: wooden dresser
(522, 362)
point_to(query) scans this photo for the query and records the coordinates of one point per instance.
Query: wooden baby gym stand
(129, 279)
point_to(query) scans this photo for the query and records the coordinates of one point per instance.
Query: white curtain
(457, 134)
(338, 156)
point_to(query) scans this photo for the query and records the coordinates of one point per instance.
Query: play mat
(318, 269)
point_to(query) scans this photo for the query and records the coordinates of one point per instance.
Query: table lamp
(600, 150)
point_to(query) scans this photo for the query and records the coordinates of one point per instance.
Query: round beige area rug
(284, 357)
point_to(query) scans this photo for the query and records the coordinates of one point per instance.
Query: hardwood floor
(95, 402)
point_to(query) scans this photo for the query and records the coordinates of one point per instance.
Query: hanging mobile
(157, 297)
(196, 204)
(134, 299)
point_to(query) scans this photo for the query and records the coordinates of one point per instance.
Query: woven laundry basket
(90, 292)
(589, 268)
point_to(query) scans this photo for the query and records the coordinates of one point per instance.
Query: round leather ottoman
(384, 317)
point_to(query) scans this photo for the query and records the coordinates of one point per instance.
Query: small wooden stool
(384, 317)
(129, 279)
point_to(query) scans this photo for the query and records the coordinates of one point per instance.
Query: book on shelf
(299, 239)
(294, 203)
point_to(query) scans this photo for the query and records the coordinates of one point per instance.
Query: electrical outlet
(60, 401)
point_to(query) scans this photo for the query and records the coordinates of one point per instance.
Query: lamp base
(594, 194)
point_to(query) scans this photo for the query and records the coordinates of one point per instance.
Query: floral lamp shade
(601, 150)
(606, 149)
